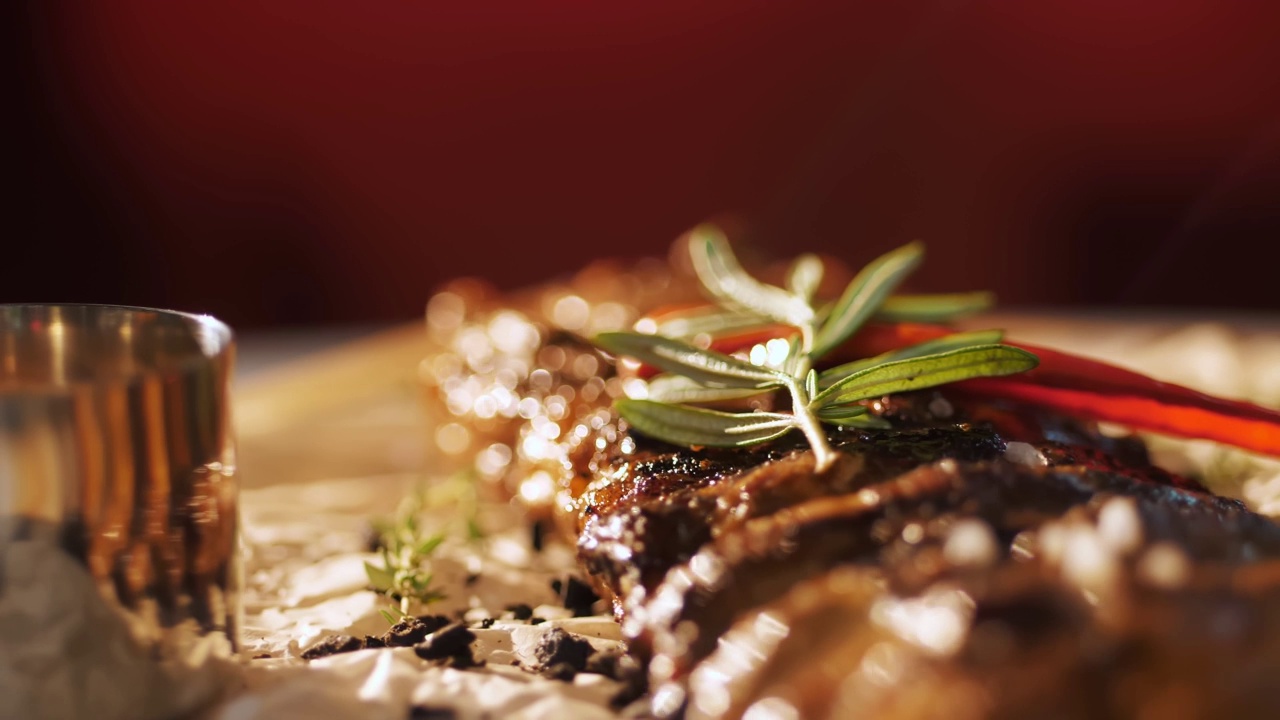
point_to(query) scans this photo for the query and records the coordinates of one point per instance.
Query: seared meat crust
(694, 543)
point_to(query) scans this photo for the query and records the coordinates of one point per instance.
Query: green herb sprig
(406, 547)
(696, 376)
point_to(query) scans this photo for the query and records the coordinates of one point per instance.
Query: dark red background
(297, 162)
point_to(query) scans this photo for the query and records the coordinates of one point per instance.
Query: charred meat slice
(696, 545)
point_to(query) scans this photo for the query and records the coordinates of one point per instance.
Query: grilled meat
(935, 523)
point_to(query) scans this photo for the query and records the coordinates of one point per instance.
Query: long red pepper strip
(1063, 370)
(1143, 413)
(1090, 388)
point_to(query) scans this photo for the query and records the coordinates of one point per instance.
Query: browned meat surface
(977, 569)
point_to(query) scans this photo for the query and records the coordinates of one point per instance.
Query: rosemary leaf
(706, 367)
(830, 413)
(926, 371)
(380, 578)
(805, 276)
(864, 296)
(427, 546)
(862, 421)
(683, 425)
(680, 389)
(954, 341)
(710, 320)
(934, 308)
(724, 279)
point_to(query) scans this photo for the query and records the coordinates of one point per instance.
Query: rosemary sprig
(696, 375)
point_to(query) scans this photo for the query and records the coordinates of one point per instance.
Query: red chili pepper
(1225, 421)
(1090, 388)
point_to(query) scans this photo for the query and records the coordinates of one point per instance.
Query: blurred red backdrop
(296, 162)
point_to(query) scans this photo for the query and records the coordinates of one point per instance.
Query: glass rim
(46, 346)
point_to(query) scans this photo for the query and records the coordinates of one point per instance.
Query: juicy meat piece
(744, 577)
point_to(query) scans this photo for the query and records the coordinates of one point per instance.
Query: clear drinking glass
(119, 575)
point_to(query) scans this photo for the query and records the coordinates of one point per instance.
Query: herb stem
(806, 341)
(804, 362)
(824, 456)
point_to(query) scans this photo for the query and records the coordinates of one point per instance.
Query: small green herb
(695, 375)
(406, 548)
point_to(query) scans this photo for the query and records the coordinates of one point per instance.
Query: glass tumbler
(119, 575)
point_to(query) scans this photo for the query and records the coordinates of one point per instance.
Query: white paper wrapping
(69, 654)
(306, 581)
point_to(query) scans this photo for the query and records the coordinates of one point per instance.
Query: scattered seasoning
(537, 620)
(623, 668)
(576, 595)
(537, 535)
(411, 631)
(486, 623)
(333, 645)
(430, 712)
(451, 644)
(435, 622)
(560, 647)
(262, 656)
(520, 611)
(605, 662)
(408, 631)
(471, 579)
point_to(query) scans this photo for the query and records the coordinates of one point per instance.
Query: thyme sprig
(406, 547)
(832, 396)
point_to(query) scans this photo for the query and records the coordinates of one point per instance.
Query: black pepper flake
(408, 631)
(471, 579)
(333, 645)
(609, 663)
(486, 623)
(465, 661)
(537, 620)
(451, 644)
(520, 611)
(537, 535)
(434, 622)
(560, 647)
(575, 595)
(430, 712)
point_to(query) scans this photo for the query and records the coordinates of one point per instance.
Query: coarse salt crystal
(1024, 454)
(1120, 526)
(971, 543)
(1164, 566)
